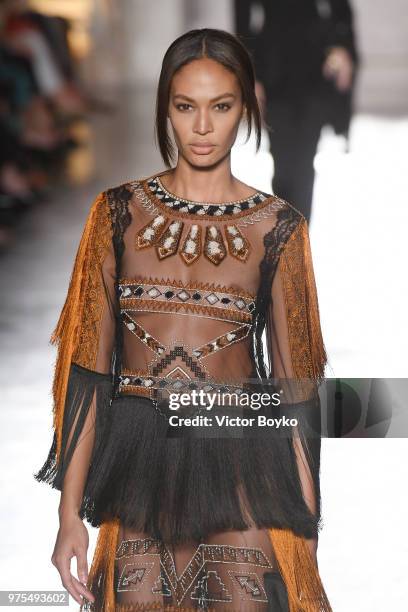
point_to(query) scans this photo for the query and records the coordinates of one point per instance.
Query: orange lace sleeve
(84, 336)
(297, 357)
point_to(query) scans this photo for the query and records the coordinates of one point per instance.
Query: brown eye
(183, 104)
(225, 105)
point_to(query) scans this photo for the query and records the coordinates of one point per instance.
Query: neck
(212, 184)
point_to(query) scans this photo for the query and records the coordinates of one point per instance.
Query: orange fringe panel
(67, 331)
(101, 574)
(318, 351)
(308, 352)
(299, 572)
(295, 563)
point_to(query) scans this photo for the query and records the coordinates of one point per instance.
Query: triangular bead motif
(151, 232)
(191, 249)
(238, 245)
(166, 233)
(214, 247)
(168, 243)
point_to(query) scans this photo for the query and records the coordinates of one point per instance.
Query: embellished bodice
(174, 362)
(191, 284)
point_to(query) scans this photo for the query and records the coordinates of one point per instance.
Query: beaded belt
(140, 384)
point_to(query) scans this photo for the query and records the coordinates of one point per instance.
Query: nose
(203, 124)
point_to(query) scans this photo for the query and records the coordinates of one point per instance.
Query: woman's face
(205, 110)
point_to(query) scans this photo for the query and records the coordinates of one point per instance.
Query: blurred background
(77, 92)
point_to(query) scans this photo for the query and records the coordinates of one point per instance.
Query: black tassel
(83, 385)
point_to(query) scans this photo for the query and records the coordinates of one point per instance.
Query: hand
(339, 66)
(261, 97)
(72, 541)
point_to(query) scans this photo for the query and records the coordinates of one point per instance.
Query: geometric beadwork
(214, 247)
(191, 248)
(238, 245)
(150, 233)
(195, 298)
(202, 582)
(222, 341)
(169, 240)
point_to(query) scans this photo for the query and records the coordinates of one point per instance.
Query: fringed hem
(86, 390)
(183, 489)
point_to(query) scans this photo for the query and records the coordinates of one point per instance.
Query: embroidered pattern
(150, 233)
(136, 329)
(264, 213)
(215, 302)
(133, 576)
(214, 573)
(159, 202)
(135, 381)
(191, 285)
(238, 245)
(222, 341)
(251, 588)
(308, 353)
(199, 299)
(155, 189)
(214, 247)
(191, 248)
(93, 296)
(169, 240)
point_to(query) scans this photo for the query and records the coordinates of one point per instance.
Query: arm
(341, 31)
(297, 357)
(82, 385)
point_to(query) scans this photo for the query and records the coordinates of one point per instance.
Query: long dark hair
(220, 46)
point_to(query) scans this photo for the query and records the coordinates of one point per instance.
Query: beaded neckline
(173, 197)
(155, 189)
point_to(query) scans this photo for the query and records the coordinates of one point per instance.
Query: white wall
(131, 36)
(383, 41)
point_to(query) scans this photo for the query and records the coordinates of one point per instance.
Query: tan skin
(205, 105)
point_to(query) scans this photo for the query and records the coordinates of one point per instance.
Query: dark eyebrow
(224, 95)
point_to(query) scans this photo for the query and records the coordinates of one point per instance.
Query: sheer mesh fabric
(226, 572)
(233, 363)
(108, 427)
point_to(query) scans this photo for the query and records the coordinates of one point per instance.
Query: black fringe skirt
(182, 487)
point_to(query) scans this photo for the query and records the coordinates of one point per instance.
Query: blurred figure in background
(43, 38)
(305, 60)
(38, 99)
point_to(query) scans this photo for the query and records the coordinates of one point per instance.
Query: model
(176, 279)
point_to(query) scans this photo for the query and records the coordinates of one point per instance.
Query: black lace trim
(118, 200)
(274, 243)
